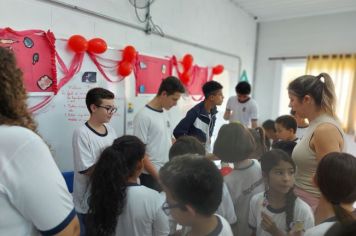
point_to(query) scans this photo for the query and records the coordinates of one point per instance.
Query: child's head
(117, 163)
(234, 143)
(286, 127)
(95, 98)
(287, 146)
(193, 186)
(243, 90)
(213, 92)
(270, 129)
(336, 179)
(278, 172)
(186, 145)
(342, 229)
(258, 135)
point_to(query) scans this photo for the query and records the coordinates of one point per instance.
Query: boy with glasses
(193, 187)
(88, 142)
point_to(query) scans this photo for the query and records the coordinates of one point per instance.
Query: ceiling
(269, 10)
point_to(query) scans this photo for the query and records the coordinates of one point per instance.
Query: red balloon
(225, 170)
(129, 53)
(78, 43)
(185, 78)
(125, 68)
(97, 45)
(187, 61)
(218, 69)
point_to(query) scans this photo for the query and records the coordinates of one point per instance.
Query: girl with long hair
(336, 179)
(26, 163)
(118, 205)
(277, 211)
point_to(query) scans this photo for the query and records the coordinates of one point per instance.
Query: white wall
(297, 37)
(215, 23)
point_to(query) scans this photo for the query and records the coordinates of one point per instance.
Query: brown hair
(321, 90)
(13, 109)
(234, 143)
(336, 179)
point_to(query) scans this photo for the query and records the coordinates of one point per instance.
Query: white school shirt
(242, 112)
(302, 212)
(87, 146)
(154, 129)
(226, 208)
(142, 213)
(243, 183)
(222, 229)
(33, 194)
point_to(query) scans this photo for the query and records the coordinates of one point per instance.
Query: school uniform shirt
(226, 208)
(222, 229)
(87, 146)
(242, 184)
(142, 213)
(302, 212)
(33, 194)
(198, 123)
(322, 228)
(242, 112)
(154, 129)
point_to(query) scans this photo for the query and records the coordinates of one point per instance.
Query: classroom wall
(297, 37)
(219, 24)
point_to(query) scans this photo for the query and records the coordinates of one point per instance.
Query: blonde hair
(13, 108)
(320, 88)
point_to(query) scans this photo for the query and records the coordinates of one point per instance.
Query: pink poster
(35, 53)
(198, 79)
(149, 72)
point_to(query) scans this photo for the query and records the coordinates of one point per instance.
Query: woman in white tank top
(313, 98)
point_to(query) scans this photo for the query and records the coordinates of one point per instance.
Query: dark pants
(150, 182)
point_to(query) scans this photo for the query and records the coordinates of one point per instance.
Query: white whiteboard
(67, 110)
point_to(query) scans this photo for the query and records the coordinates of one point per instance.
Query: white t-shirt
(154, 129)
(223, 228)
(243, 183)
(143, 214)
(226, 208)
(87, 147)
(320, 229)
(33, 193)
(242, 112)
(302, 213)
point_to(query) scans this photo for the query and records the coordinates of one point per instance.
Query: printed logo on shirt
(168, 124)
(252, 187)
(244, 109)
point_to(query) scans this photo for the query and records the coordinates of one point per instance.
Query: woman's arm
(326, 138)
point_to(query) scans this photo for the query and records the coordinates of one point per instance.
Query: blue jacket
(197, 122)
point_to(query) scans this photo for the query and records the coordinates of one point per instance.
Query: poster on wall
(34, 50)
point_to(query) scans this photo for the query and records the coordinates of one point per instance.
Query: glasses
(108, 109)
(166, 207)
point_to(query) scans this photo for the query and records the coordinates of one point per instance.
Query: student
(286, 127)
(118, 205)
(313, 98)
(200, 120)
(242, 108)
(287, 146)
(302, 125)
(153, 127)
(277, 211)
(88, 142)
(271, 133)
(33, 195)
(191, 145)
(193, 187)
(235, 144)
(336, 179)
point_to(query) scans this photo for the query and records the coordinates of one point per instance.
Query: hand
(268, 225)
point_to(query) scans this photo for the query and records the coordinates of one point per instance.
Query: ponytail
(343, 216)
(328, 97)
(290, 203)
(108, 183)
